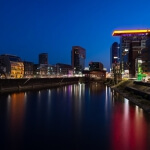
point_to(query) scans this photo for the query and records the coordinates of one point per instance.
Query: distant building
(43, 58)
(114, 54)
(40, 70)
(93, 66)
(28, 69)
(64, 69)
(12, 66)
(145, 56)
(95, 75)
(36, 70)
(52, 70)
(44, 69)
(78, 55)
(95, 72)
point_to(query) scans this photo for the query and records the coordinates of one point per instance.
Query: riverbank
(27, 84)
(17, 85)
(135, 92)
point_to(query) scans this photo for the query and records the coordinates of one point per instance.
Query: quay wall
(16, 85)
(136, 91)
(138, 88)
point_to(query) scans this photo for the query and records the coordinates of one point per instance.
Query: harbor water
(75, 117)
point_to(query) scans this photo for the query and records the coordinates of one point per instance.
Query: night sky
(30, 27)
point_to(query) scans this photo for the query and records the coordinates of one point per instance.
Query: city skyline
(54, 27)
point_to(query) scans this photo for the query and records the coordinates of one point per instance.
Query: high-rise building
(78, 55)
(114, 54)
(145, 56)
(132, 43)
(43, 58)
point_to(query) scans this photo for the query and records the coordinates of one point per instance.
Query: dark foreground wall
(15, 85)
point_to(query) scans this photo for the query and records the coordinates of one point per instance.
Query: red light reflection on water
(129, 128)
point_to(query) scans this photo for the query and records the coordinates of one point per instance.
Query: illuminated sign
(122, 32)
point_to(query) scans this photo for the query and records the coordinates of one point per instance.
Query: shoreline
(18, 85)
(33, 87)
(133, 99)
(131, 95)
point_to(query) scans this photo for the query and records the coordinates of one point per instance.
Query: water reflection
(79, 116)
(96, 88)
(8, 104)
(17, 110)
(78, 96)
(48, 102)
(15, 117)
(129, 128)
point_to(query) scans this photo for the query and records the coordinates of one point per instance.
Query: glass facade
(131, 47)
(78, 58)
(114, 54)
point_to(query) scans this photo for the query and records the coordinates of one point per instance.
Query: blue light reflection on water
(79, 116)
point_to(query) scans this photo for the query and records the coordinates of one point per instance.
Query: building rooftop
(12, 57)
(130, 32)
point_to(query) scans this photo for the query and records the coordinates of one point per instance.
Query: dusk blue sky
(30, 27)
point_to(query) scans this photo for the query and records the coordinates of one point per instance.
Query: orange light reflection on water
(17, 111)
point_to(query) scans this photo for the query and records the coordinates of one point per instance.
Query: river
(74, 117)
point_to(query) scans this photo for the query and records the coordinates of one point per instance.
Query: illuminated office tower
(132, 43)
(114, 54)
(43, 58)
(78, 55)
(145, 55)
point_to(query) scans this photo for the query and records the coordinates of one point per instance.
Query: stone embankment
(25, 84)
(136, 91)
(16, 85)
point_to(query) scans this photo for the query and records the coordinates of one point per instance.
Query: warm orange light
(120, 32)
(17, 69)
